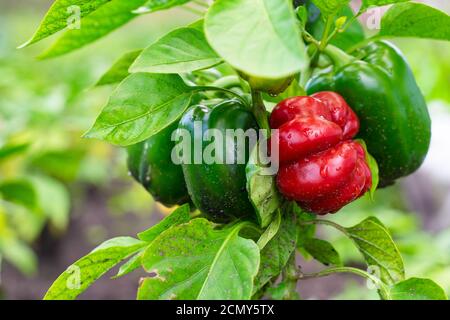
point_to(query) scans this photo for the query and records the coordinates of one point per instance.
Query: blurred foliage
(431, 66)
(45, 107)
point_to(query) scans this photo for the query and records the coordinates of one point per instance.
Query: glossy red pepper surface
(320, 166)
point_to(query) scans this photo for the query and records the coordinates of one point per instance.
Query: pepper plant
(238, 227)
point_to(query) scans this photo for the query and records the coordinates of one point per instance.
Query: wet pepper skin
(381, 89)
(320, 166)
(218, 189)
(150, 163)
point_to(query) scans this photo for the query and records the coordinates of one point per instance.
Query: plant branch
(211, 88)
(346, 26)
(259, 111)
(326, 31)
(383, 289)
(338, 56)
(227, 82)
(309, 38)
(328, 223)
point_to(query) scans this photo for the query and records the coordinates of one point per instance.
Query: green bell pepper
(380, 87)
(218, 189)
(150, 163)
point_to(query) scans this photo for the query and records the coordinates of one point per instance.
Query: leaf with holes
(379, 250)
(196, 261)
(179, 216)
(80, 275)
(276, 253)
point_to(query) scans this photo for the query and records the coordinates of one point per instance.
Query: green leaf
(12, 150)
(80, 275)
(258, 37)
(322, 251)
(379, 250)
(262, 189)
(180, 51)
(304, 231)
(373, 166)
(119, 69)
(282, 291)
(195, 261)
(53, 200)
(286, 288)
(19, 254)
(198, 24)
(63, 164)
(329, 7)
(141, 106)
(132, 264)
(179, 216)
(59, 15)
(276, 253)
(415, 20)
(155, 5)
(417, 289)
(20, 192)
(99, 23)
(302, 15)
(270, 232)
(378, 3)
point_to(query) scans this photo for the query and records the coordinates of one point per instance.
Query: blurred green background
(61, 195)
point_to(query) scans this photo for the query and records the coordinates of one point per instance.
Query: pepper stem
(227, 82)
(328, 26)
(230, 92)
(382, 288)
(259, 111)
(338, 56)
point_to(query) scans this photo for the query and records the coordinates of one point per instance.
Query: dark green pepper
(380, 87)
(150, 163)
(217, 189)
